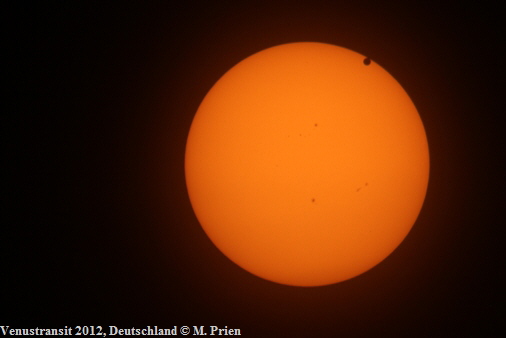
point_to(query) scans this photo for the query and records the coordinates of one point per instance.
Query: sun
(307, 164)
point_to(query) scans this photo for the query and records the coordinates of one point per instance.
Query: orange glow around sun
(307, 164)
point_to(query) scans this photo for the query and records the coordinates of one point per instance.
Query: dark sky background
(97, 225)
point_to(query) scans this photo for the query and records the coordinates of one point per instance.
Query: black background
(98, 227)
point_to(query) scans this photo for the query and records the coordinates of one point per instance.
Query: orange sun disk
(307, 164)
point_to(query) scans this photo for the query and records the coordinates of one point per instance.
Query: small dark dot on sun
(316, 124)
(312, 200)
(367, 61)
